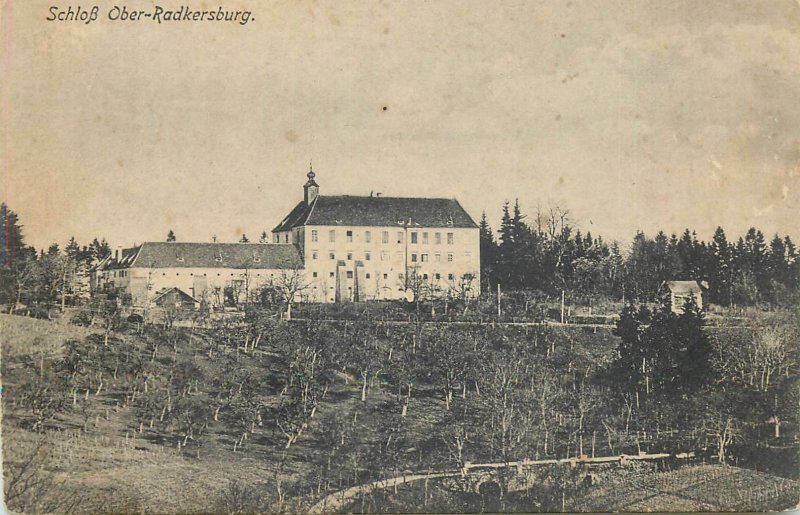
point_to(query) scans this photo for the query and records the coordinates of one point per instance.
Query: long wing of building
(204, 271)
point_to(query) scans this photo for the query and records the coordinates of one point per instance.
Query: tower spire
(311, 188)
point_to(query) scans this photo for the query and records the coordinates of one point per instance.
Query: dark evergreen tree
(488, 248)
(171, 236)
(16, 258)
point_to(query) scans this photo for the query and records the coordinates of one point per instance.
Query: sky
(631, 114)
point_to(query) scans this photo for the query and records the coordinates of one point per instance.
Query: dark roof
(159, 254)
(378, 212)
(177, 291)
(684, 287)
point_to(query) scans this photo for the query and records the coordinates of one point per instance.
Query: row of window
(257, 274)
(437, 276)
(415, 237)
(423, 258)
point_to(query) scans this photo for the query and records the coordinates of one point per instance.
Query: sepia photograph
(380, 256)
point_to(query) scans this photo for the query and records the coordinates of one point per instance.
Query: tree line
(547, 252)
(47, 277)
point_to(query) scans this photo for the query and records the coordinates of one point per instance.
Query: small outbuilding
(676, 293)
(175, 298)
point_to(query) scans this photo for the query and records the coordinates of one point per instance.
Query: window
(449, 238)
(399, 237)
(349, 236)
(385, 276)
(424, 277)
(438, 276)
(413, 258)
(277, 238)
(349, 274)
(385, 237)
(314, 235)
(332, 235)
(349, 256)
(331, 255)
(449, 257)
(367, 256)
(368, 237)
(450, 277)
(424, 258)
(367, 276)
(424, 238)
(286, 239)
(437, 238)
(413, 237)
(314, 274)
(331, 275)
(314, 255)
(437, 257)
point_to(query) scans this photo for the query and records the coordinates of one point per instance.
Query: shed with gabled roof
(677, 293)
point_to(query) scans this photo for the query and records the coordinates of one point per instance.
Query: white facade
(376, 263)
(428, 246)
(204, 284)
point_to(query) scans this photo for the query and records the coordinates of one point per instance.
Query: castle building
(359, 248)
(330, 248)
(214, 273)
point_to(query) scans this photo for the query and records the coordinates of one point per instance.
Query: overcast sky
(631, 114)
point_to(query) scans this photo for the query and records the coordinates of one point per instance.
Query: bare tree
(291, 282)
(28, 486)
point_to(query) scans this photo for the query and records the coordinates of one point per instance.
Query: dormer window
(256, 258)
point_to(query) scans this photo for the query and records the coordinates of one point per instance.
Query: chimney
(118, 253)
(311, 188)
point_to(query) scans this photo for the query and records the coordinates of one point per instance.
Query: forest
(547, 253)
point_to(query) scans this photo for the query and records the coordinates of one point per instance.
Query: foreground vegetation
(149, 418)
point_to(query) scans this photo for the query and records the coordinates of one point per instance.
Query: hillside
(286, 413)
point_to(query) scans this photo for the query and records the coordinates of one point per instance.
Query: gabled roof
(296, 217)
(684, 287)
(378, 211)
(159, 254)
(177, 291)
